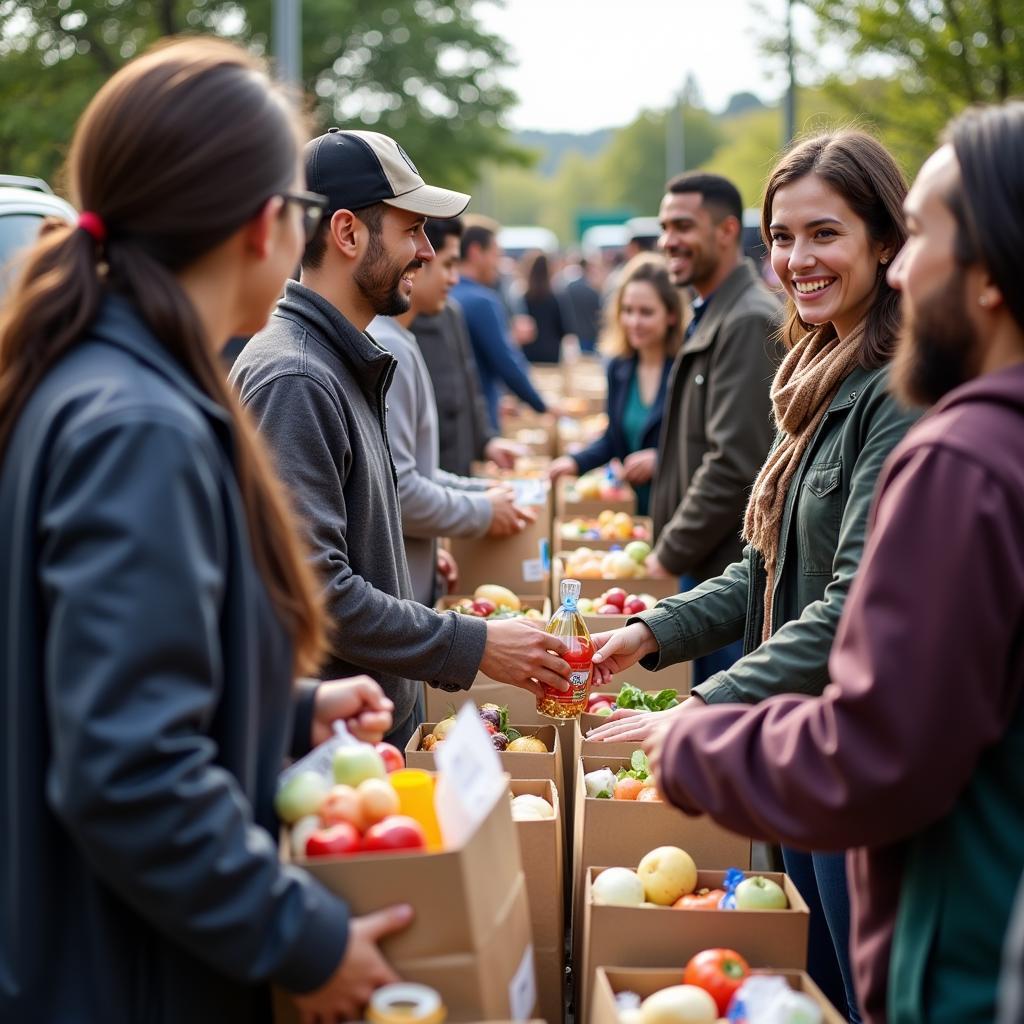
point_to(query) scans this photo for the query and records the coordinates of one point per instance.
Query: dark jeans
(707, 665)
(821, 879)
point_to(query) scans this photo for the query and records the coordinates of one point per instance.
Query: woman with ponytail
(156, 604)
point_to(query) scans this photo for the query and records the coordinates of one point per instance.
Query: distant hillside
(554, 145)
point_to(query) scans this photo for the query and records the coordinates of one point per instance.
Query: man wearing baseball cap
(317, 385)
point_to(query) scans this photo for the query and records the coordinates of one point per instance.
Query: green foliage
(944, 55)
(421, 70)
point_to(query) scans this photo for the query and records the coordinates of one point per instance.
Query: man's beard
(938, 346)
(380, 280)
(702, 268)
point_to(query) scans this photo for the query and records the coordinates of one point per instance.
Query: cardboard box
(623, 831)
(663, 937)
(560, 543)
(569, 507)
(609, 981)
(519, 765)
(526, 466)
(522, 562)
(470, 936)
(541, 850)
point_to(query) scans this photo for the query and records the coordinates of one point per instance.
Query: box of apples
(470, 935)
(725, 984)
(666, 910)
(592, 493)
(602, 532)
(601, 571)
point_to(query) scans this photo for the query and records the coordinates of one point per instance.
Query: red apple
(615, 596)
(333, 841)
(634, 606)
(601, 705)
(397, 832)
(597, 698)
(609, 609)
(483, 608)
(393, 759)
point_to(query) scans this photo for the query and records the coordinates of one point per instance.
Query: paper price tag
(470, 778)
(531, 491)
(533, 570)
(522, 989)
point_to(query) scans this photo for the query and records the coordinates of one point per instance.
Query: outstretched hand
(619, 649)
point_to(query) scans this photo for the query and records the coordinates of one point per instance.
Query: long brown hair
(175, 153)
(647, 267)
(861, 170)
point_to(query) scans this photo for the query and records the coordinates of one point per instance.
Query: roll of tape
(406, 1003)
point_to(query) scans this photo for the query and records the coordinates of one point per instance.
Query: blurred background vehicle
(24, 202)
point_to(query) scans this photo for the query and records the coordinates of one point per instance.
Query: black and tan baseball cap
(356, 169)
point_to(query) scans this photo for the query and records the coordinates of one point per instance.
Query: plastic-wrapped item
(733, 877)
(768, 999)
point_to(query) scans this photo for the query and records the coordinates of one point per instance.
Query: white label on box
(531, 491)
(522, 989)
(533, 570)
(470, 779)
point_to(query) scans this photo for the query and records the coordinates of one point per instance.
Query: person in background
(641, 341)
(576, 282)
(833, 220)
(156, 603)
(464, 428)
(717, 426)
(317, 385)
(499, 362)
(548, 309)
(434, 503)
(913, 757)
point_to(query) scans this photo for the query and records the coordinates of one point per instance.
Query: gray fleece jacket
(317, 388)
(434, 503)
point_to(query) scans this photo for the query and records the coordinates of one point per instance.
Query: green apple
(300, 796)
(353, 765)
(759, 893)
(638, 550)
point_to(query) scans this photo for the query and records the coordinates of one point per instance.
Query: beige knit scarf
(804, 386)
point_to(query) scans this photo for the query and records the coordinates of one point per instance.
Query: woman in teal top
(642, 338)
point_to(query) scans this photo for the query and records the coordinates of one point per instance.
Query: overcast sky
(585, 64)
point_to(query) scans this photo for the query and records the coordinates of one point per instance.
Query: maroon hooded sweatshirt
(926, 672)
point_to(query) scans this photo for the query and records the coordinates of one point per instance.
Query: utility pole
(288, 40)
(790, 102)
(675, 137)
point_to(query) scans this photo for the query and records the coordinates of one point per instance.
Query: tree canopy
(421, 70)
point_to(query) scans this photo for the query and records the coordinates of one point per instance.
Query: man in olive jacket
(717, 426)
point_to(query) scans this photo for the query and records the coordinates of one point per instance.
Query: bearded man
(317, 385)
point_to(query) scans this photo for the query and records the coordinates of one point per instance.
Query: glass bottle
(568, 624)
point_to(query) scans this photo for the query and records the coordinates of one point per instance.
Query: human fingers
(551, 679)
(611, 644)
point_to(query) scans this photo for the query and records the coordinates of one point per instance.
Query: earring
(884, 260)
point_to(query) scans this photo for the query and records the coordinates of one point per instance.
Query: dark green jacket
(822, 539)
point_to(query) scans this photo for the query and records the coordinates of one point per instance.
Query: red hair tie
(92, 223)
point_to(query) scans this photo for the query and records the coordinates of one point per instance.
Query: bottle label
(579, 680)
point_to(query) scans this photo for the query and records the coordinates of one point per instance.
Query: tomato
(628, 789)
(396, 832)
(333, 841)
(702, 899)
(719, 972)
(393, 759)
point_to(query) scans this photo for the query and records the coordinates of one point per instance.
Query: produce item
(608, 602)
(600, 783)
(568, 624)
(759, 893)
(649, 795)
(415, 790)
(391, 756)
(300, 796)
(301, 831)
(667, 873)
(353, 764)
(638, 550)
(679, 1004)
(598, 484)
(529, 802)
(527, 745)
(628, 789)
(701, 899)
(609, 525)
(618, 887)
(333, 841)
(587, 564)
(429, 742)
(342, 805)
(495, 720)
(720, 972)
(377, 800)
(768, 999)
(498, 596)
(399, 832)
(633, 697)
(444, 727)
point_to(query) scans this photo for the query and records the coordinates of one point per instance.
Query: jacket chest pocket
(696, 402)
(819, 513)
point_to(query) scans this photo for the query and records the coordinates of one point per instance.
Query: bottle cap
(406, 1003)
(569, 591)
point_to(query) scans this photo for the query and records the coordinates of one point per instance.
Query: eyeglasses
(313, 208)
